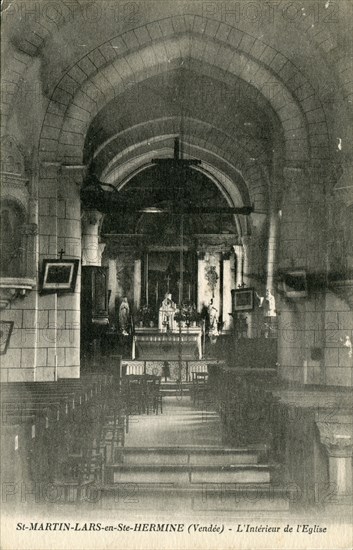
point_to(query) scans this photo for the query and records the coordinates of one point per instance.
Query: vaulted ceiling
(112, 83)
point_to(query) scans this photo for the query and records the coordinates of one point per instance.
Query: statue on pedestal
(166, 314)
(124, 316)
(271, 304)
(212, 322)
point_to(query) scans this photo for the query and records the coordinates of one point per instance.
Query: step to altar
(183, 474)
(192, 455)
(195, 478)
(210, 498)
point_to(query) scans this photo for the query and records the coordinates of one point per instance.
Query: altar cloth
(150, 343)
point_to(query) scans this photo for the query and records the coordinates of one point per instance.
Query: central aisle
(181, 424)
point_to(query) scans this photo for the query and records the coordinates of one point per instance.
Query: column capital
(246, 240)
(91, 216)
(337, 438)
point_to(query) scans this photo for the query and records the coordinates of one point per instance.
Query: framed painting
(295, 284)
(6, 328)
(243, 299)
(59, 275)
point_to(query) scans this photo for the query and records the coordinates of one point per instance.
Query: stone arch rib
(89, 84)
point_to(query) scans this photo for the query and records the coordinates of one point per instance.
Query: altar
(151, 343)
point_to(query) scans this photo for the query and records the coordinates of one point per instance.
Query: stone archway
(103, 74)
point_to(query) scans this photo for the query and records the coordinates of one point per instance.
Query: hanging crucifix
(177, 170)
(94, 195)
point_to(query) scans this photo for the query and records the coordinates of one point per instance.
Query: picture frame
(295, 284)
(243, 299)
(6, 328)
(59, 275)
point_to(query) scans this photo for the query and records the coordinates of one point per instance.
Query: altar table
(151, 343)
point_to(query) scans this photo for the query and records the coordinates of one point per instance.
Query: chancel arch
(184, 171)
(95, 91)
(149, 244)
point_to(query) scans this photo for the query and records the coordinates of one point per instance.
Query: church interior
(176, 281)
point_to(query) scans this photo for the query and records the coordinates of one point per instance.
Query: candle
(157, 292)
(189, 292)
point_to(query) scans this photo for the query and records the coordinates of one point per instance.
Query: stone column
(228, 284)
(44, 316)
(137, 284)
(239, 257)
(338, 439)
(112, 284)
(29, 232)
(302, 219)
(201, 282)
(91, 248)
(246, 240)
(302, 246)
(214, 261)
(271, 250)
(69, 239)
(208, 278)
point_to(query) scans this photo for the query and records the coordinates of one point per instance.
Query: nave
(221, 444)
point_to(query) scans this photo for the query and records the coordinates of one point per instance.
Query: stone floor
(181, 424)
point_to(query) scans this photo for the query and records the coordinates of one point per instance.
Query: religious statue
(166, 314)
(271, 307)
(347, 343)
(124, 316)
(212, 321)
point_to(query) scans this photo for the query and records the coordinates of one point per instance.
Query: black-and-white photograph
(176, 277)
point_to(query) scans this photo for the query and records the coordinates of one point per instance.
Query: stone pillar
(69, 239)
(44, 317)
(271, 250)
(302, 221)
(213, 261)
(239, 256)
(228, 284)
(201, 282)
(92, 249)
(338, 439)
(302, 246)
(29, 232)
(137, 284)
(208, 279)
(246, 240)
(112, 284)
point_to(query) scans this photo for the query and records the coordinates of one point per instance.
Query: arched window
(11, 219)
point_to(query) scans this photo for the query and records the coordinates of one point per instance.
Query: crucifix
(177, 168)
(94, 195)
(61, 253)
(176, 164)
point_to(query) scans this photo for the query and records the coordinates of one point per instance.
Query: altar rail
(156, 367)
